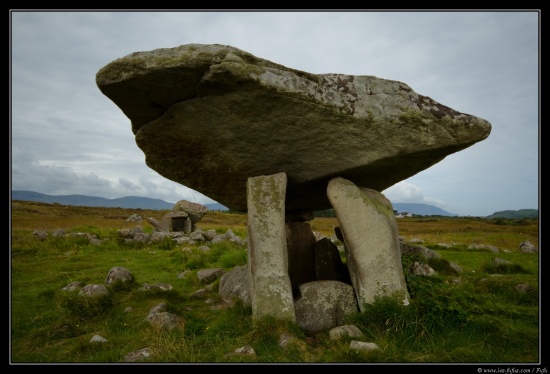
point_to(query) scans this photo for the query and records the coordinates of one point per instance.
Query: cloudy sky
(68, 138)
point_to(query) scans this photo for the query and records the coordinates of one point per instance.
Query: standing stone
(267, 252)
(188, 226)
(328, 264)
(371, 240)
(300, 243)
(166, 223)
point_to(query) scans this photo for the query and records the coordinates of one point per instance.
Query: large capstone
(211, 116)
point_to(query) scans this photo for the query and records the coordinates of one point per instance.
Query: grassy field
(478, 316)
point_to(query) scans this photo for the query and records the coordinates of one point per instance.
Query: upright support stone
(166, 223)
(371, 240)
(300, 244)
(271, 291)
(188, 226)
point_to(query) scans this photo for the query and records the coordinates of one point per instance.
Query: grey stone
(527, 247)
(183, 274)
(119, 274)
(236, 284)
(58, 233)
(166, 223)
(246, 350)
(95, 241)
(195, 211)
(271, 290)
(159, 236)
(286, 339)
(165, 320)
(211, 116)
(300, 243)
(371, 241)
(363, 346)
(340, 332)
(182, 240)
(237, 240)
(419, 250)
(523, 287)
(73, 286)
(98, 339)
(456, 267)
(94, 290)
(142, 237)
(209, 275)
(209, 234)
(418, 268)
(328, 264)
(197, 235)
(483, 246)
(324, 305)
(155, 223)
(499, 261)
(138, 355)
(161, 307)
(40, 234)
(156, 287)
(199, 293)
(134, 218)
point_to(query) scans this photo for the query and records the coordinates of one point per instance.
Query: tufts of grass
(166, 244)
(81, 307)
(442, 266)
(232, 258)
(502, 268)
(484, 314)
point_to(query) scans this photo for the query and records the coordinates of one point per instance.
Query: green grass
(477, 316)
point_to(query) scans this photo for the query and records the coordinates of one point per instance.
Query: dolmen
(280, 144)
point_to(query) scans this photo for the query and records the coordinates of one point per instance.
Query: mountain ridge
(516, 214)
(137, 202)
(422, 209)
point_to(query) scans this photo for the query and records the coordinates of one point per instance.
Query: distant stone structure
(182, 218)
(279, 144)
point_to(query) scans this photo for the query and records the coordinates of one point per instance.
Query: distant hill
(136, 202)
(421, 209)
(130, 202)
(413, 208)
(216, 206)
(516, 214)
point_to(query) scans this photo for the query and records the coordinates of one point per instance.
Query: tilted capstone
(211, 116)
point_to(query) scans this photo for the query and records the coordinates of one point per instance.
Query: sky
(67, 138)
